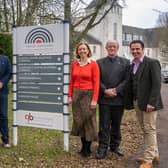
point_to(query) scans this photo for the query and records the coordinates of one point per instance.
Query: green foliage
(6, 44)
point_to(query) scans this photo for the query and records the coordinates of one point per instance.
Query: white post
(14, 89)
(14, 105)
(66, 82)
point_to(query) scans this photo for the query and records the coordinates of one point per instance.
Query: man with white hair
(114, 71)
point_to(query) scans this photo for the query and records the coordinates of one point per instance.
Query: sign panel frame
(41, 60)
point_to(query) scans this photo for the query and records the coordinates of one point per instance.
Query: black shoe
(100, 155)
(117, 151)
(86, 151)
(83, 141)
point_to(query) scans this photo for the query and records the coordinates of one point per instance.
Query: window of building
(118, 10)
(94, 49)
(164, 52)
(140, 37)
(135, 37)
(124, 35)
(115, 31)
(114, 10)
(128, 37)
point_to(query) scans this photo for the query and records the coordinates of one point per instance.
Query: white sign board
(41, 60)
(47, 39)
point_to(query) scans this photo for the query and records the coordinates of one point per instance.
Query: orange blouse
(85, 77)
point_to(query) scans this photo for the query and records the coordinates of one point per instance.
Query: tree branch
(83, 19)
(91, 23)
(103, 16)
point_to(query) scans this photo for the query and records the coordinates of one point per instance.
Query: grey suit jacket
(149, 85)
(113, 75)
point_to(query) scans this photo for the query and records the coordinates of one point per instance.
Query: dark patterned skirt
(84, 118)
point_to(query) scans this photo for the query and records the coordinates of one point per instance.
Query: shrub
(6, 44)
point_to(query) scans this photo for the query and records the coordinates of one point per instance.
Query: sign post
(41, 77)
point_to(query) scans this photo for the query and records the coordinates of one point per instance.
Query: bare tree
(89, 20)
(31, 12)
(6, 15)
(163, 24)
(19, 12)
(73, 11)
(12, 4)
(77, 12)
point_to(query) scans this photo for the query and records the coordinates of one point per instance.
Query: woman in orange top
(83, 95)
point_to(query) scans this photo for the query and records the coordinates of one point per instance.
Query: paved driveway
(162, 135)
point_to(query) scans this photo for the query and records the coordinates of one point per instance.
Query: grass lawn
(36, 147)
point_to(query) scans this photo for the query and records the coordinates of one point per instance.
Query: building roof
(93, 3)
(150, 36)
(91, 40)
(131, 29)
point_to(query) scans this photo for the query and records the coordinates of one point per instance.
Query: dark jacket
(113, 75)
(149, 85)
(5, 73)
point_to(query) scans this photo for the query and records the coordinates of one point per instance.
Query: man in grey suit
(113, 78)
(145, 85)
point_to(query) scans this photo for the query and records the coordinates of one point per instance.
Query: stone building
(111, 27)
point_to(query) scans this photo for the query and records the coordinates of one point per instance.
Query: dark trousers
(4, 117)
(109, 126)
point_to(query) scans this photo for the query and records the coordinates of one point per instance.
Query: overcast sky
(139, 13)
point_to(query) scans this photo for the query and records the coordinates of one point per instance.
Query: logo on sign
(39, 35)
(29, 117)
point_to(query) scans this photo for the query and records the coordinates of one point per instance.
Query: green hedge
(6, 44)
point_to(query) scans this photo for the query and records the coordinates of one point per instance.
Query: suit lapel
(141, 68)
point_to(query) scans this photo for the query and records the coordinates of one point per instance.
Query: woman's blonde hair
(79, 44)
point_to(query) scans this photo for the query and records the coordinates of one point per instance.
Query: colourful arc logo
(39, 36)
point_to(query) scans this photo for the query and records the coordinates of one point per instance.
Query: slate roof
(150, 35)
(93, 3)
(91, 40)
